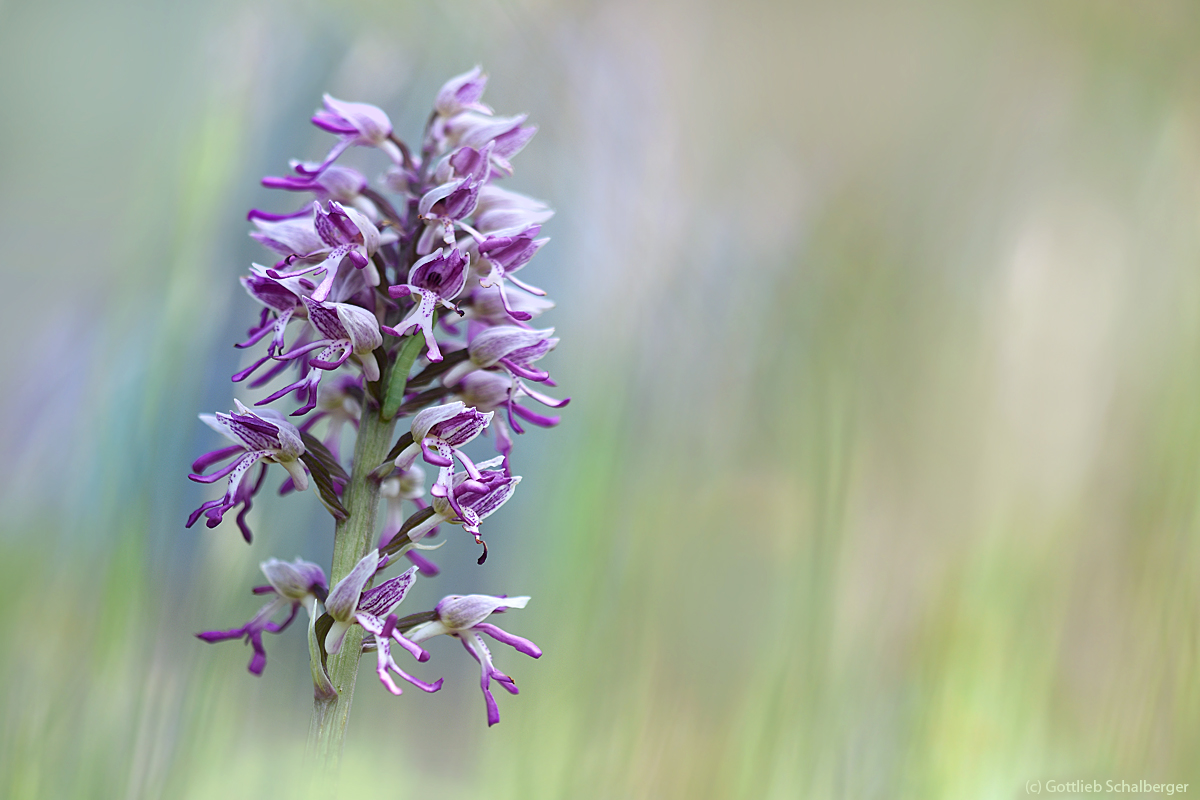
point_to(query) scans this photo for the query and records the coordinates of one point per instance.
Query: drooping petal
(516, 642)
(343, 598)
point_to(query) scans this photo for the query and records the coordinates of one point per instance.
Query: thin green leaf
(315, 446)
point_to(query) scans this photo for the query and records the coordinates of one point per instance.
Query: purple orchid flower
(265, 436)
(356, 124)
(439, 433)
(321, 243)
(507, 135)
(442, 207)
(509, 347)
(502, 256)
(461, 93)
(374, 610)
(280, 303)
(475, 499)
(500, 212)
(343, 184)
(346, 330)
(436, 279)
(376, 614)
(295, 584)
(465, 617)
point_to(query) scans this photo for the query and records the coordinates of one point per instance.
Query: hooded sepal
(343, 599)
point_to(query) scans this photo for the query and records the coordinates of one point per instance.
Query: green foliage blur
(882, 325)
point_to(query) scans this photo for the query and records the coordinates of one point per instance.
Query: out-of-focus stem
(353, 538)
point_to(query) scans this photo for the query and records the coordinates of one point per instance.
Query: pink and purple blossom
(349, 313)
(295, 584)
(465, 618)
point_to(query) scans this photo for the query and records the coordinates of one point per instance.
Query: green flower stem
(353, 538)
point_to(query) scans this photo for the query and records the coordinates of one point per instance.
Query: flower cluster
(397, 297)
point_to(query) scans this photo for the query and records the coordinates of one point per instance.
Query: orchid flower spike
(465, 618)
(438, 233)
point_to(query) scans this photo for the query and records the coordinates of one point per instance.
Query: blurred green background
(882, 324)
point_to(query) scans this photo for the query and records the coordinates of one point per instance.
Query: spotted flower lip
(436, 280)
(464, 617)
(265, 436)
(295, 584)
(439, 433)
(322, 242)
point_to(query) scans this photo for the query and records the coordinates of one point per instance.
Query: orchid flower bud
(462, 93)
